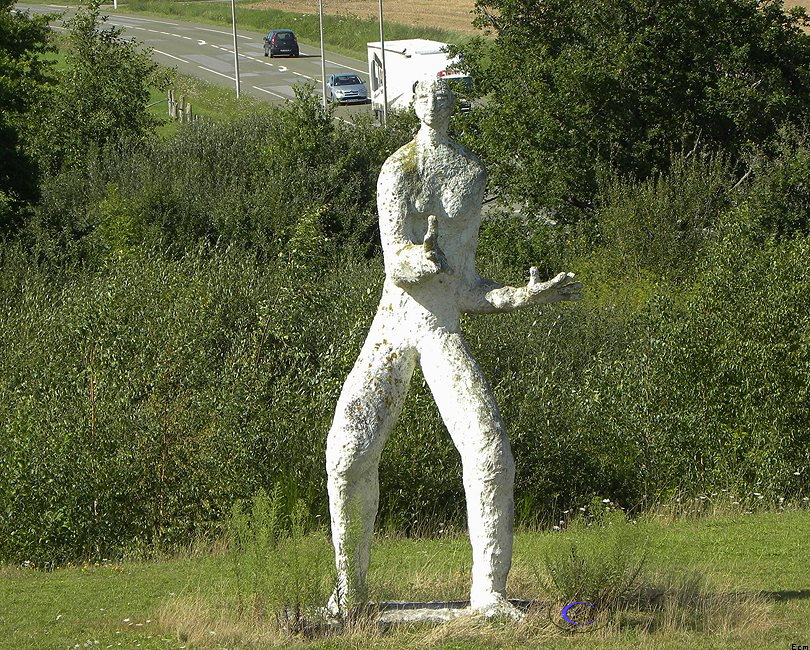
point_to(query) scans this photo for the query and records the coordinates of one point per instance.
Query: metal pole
(115, 5)
(235, 46)
(384, 80)
(323, 55)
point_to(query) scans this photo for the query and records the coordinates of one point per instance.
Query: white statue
(429, 197)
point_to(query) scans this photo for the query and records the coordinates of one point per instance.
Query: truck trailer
(406, 62)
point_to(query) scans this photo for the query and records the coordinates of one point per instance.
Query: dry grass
(666, 607)
(454, 15)
(199, 623)
(672, 604)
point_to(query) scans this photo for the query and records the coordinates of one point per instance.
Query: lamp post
(382, 55)
(235, 46)
(323, 54)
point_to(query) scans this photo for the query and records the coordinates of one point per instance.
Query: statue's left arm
(483, 296)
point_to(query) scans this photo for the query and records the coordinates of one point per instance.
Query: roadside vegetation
(179, 309)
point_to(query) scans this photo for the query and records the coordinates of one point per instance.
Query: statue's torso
(447, 181)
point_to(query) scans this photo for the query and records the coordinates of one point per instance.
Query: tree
(24, 78)
(579, 86)
(103, 91)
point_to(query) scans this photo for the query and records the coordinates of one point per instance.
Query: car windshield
(284, 36)
(347, 80)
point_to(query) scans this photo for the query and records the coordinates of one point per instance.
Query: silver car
(345, 88)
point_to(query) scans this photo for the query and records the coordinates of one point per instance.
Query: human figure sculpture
(429, 197)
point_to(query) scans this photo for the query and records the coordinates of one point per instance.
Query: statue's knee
(493, 458)
(347, 458)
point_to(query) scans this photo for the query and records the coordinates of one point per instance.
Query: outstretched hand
(561, 287)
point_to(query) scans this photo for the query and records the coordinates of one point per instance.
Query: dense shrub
(243, 183)
(140, 400)
(101, 94)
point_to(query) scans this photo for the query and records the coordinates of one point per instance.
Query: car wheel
(296, 54)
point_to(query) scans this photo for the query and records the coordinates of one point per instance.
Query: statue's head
(433, 102)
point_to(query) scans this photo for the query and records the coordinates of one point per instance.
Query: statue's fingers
(432, 233)
(571, 288)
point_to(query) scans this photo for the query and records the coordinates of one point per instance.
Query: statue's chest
(446, 186)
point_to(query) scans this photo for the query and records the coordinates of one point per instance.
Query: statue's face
(433, 102)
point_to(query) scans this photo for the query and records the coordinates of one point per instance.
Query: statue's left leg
(471, 415)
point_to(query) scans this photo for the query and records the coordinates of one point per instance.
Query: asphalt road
(206, 51)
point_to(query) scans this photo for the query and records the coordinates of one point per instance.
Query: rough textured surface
(429, 201)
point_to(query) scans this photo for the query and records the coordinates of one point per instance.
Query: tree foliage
(24, 77)
(103, 91)
(579, 86)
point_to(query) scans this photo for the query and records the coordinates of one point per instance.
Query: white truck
(406, 62)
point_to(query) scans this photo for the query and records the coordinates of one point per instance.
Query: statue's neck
(428, 137)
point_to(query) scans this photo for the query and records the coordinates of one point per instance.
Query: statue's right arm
(406, 262)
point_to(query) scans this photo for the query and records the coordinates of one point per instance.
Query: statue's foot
(336, 605)
(496, 606)
(343, 607)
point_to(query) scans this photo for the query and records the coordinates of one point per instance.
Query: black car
(281, 41)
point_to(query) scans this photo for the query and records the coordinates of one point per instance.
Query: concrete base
(433, 612)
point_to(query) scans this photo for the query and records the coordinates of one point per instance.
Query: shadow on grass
(783, 596)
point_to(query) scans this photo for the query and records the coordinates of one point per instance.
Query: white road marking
(342, 65)
(149, 20)
(171, 56)
(202, 67)
(270, 92)
(201, 43)
(216, 31)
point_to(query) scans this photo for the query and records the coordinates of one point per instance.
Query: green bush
(241, 183)
(282, 569)
(140, 400)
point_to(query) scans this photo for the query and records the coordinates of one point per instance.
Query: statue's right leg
(367, 410)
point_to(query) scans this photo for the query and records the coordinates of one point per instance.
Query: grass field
(738, 581)
(455, 15)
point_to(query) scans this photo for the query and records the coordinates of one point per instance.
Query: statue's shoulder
(402, 155)
(472, 165)
(402, 162)
(462, 151)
